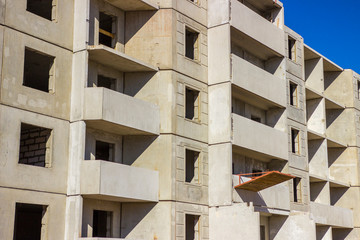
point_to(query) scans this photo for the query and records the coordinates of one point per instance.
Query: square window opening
(102, 223)
(107, 29)
(295, 141)
(30, 221)
(192, 227)
(192, 109)
(293, 94)
(297, 189)
(191, 44)
(192, 166)
(106, 82)
(39, 71)
(292, 49)
(105, 151)
(35, 145)
(43, 8)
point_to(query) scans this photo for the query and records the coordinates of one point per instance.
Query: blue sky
(330, 27)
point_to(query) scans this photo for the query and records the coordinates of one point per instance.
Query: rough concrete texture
(178, 97)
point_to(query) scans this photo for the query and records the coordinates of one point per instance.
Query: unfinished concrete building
(172, 120)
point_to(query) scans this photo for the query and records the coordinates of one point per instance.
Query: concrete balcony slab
(261, 87)
(267, 34)
(331, 215)
(257, 140)
(118, 182)
(118, 60)
(118, 113)
(134, 5)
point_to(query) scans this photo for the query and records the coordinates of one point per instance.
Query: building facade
(137, 119)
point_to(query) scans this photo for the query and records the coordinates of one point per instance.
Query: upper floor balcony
(118, 182)
(118, 113)
(257, 84)
(266, 34)
(134, 5)
(332, 215)
(258, 140)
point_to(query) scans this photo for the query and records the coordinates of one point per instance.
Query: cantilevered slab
(312, 94)
(330, 66)
(264, 181)
(338, 184)
(315, 178)
(314, 135)
(134, 5)
(118, 60)
(331, 104)
(335, 144)
(264, 5)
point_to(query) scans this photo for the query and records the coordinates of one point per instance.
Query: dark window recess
(295, 141)
(191, 44)
(104, 151)
(29, 221)
(192, 104)
(35, 145)
(102, 223)
(38, 70)
(42, 8)
(106, 35)
(256, 119)
(106, 82)
(191, 222)
(256, 171)
(192, 167)
(358, 89)
(293, 94)
(291, 48)
(297, 189)
(262, 233)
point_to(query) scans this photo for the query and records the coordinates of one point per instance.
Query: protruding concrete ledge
(134, 5)
(338, 184)
(313, 178)
(335, 144)
(115, 112)
(258, 140)
(118, 182)
(331, 215)
(244, 19)
(312, 94)
(118, 60)
(312, 135)
(331, 104)
(260, 86)
(265, 4)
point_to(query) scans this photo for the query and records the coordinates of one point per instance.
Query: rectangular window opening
(293, 94)
(255, 118)
(262, 232)
(35, 145)
(358, 89)
(43, 8)
(106, 82)
(102, 223)
(295, 141)
(39, 71)
(191, 44)
(192, 166)
(192, 104)
(107, 30)
(104, 151)
(192, 227)
(292, 48)
(30, 221)
(297, 189)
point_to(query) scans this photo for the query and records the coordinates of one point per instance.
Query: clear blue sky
(330, 27)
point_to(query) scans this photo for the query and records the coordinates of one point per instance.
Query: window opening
(292, 48)
(192, 166)
(191, 44)
(35, 145)
(104, 151)
(30, 221)
(102, 223)
(293, 94)
(106, 82)
(43, 8)
(256, 119)
(192, 104)
(38, 71)
(297, 189)
(192, 227)
(295, 142)
(106, 30)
